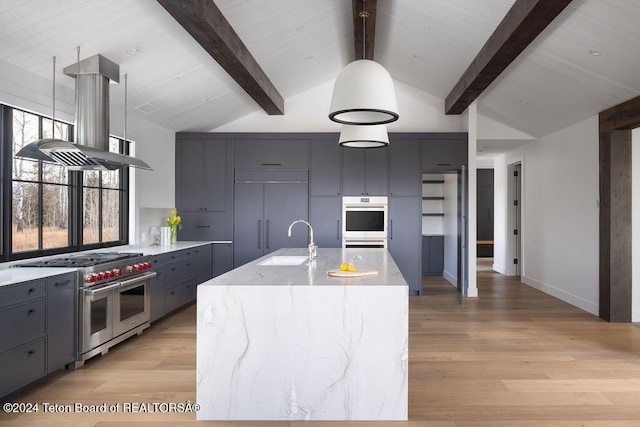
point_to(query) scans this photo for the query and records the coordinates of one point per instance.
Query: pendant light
(363, 93)
(372, 136)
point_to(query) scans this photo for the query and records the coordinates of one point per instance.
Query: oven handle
(94, 292)
(140, 278)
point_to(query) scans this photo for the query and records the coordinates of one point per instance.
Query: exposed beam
(206, 24)
(621, 116)
(522, 24)
(359, 32)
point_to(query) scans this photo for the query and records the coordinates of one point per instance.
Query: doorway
(441, 228)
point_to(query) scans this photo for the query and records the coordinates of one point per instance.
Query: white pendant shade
(364, 136)
(364, 95)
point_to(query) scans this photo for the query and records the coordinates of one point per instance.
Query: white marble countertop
(10, 276)
(314, 273)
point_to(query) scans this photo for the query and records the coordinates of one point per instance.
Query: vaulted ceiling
(299, 44)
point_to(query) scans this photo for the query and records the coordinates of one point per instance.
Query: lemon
(351, 267)
(344, 266)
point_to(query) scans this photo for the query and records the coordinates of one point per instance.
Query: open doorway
(485, 220)
(441, 255)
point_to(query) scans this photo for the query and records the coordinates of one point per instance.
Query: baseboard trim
(500, 269)
(450, 278)
(561, 295)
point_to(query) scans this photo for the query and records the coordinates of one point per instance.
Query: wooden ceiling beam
(359, 32)
(522, 24)
(205, 23)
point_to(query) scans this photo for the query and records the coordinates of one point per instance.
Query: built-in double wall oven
(364, 221)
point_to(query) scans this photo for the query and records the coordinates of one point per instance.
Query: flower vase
(173, 232)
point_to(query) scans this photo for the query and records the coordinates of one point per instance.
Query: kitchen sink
(284, 260)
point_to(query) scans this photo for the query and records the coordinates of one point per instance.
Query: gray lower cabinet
(405, 238)
(222, 258)
(178, 273)
(37, 329)
(263, 213)
(325, 215)
(365, 172)
(432, 255)
(61, 321)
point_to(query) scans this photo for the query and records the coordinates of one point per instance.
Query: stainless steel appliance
(113, 298)
(364, 221)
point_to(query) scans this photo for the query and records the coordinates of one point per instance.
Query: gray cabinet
(204, 226)
(263, 213)
(405, 170)
(201, 175)
(432, 255)
(21, 366)
(445, 152)
(325, 215)
(271, 153)
(157, 293)
(405, 238)
(61, 321)
(222, 258)
(365, 172)
(325, 173)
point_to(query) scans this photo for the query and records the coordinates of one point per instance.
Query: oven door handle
(137, 279)
(94, 292)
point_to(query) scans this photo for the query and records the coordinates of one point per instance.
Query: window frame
(75, 188)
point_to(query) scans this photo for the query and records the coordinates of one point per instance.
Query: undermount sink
(284, 260)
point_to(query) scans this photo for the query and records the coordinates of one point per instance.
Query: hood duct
(91, 150)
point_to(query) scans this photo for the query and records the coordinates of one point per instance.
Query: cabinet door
(222, 258)
(22, 365)
(61, 321)
(326, 166)
(405, 171)
(405, 238)
(353, 172)
(446, 154)
(202, 258)
(325, 214)
(214, 172)
(268, 153)
(283, 204)
(436, 255)
(157, 294)
(376, 172)
(202, 226)
(248, 226)
(189, 175)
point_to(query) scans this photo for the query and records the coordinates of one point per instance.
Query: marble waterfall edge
(302, 353)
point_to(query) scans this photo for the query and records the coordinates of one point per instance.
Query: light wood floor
(513, 357)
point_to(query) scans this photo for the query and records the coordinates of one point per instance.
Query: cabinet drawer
(175, 296)
(22, 366)
(21, 324)
(11, 294)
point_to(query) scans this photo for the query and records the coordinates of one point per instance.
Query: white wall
(500, 212)
(560, 213)
(152, 143)
(309, 110)
(635, 225)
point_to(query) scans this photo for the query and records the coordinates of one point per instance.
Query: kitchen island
(288, 342)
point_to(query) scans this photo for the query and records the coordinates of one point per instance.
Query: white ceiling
(302, 43)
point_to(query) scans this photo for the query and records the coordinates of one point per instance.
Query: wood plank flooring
(512, 357)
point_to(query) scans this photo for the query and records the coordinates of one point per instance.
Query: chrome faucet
(312, 245)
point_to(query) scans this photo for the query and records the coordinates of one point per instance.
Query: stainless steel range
(113, 298)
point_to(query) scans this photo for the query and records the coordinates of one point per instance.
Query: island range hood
(91, 149)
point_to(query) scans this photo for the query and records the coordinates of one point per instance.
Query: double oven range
(113, 300)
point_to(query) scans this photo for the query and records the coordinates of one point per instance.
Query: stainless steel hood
(91, 150)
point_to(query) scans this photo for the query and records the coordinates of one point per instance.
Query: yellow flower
(174, 219)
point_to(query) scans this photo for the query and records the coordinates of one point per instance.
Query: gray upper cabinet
(270, 153)
(445, 152)
(405, 239)
(205, 226)
(405, 172)
(365, 172)
(201, 175)
(325, 174)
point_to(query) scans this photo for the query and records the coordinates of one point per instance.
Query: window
(51, 209)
